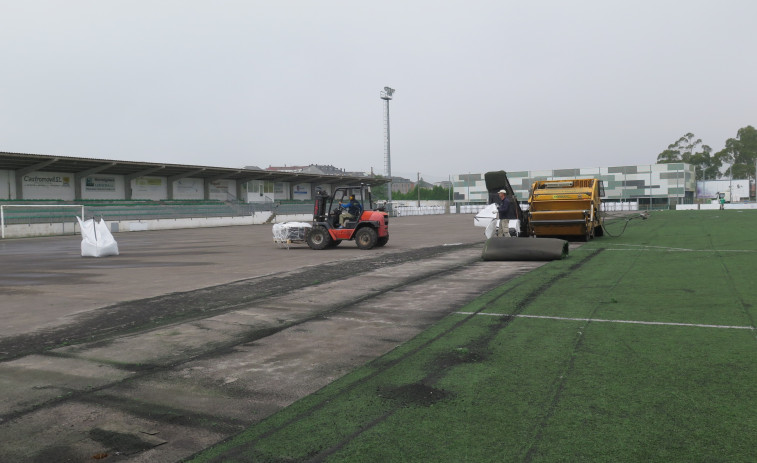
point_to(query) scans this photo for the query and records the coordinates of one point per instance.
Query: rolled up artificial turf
(527, 249)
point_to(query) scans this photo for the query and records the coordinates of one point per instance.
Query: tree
(435, 193)
(707, 165)
(740, 153)
(380, 191)
(685, 150)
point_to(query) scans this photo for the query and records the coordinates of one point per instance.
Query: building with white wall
(44, 177)
(64, 178)
(648, 184)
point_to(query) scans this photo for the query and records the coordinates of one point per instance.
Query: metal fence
(31, 213)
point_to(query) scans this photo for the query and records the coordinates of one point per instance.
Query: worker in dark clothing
(505, 211)
(351, 210)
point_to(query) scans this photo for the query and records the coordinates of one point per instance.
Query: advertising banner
(301, 191)
(222, 190)
(149, 188)
(48, 185)
(188, 188)
(100, 184)
(37, 180)
(102, 187)
(738, 189)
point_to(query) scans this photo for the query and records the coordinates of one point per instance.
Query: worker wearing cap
(505, 210)
(351, 210)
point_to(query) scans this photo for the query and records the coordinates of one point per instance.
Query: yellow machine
(566, 208)
(515, 244)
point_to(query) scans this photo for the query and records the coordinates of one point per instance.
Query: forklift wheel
(366, 238)
(318, 238)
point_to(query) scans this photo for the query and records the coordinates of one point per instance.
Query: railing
(25, 212)
(37, 213)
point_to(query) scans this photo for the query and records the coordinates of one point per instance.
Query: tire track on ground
(103, 396)
(562, 379)
(744, 305)
(427, 382)
(150, 313)
(338, 272)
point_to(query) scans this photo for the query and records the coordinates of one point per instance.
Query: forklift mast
(319, 209)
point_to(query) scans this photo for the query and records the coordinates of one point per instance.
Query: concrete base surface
(189, 336)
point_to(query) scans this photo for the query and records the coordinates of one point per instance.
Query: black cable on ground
(642, 216)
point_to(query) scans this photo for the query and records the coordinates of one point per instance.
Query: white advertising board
(188, 188)
(222, 190)
(149, 188)
(48, 185)
(301, 191)
(102, 187)
(739, 189)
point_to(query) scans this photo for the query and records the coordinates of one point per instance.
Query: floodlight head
(387, 93)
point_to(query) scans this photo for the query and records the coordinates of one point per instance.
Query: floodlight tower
(386, 95)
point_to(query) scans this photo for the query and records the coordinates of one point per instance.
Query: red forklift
(370, 227)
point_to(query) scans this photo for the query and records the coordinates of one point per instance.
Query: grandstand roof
(89, 166)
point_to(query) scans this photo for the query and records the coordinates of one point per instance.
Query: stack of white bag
(487, 217)
(96, 239)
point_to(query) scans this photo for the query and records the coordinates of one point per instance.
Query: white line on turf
(641, 247)
(634, 322)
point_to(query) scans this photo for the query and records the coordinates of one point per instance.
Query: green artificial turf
(489, 384)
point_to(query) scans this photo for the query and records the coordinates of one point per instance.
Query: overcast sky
(480, 85)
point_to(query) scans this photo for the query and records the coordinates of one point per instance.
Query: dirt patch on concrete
(154, 312)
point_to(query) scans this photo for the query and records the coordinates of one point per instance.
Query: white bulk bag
(484, 217)
(96, 239)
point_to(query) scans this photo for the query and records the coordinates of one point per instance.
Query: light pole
(418, 187)
(386, 95)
